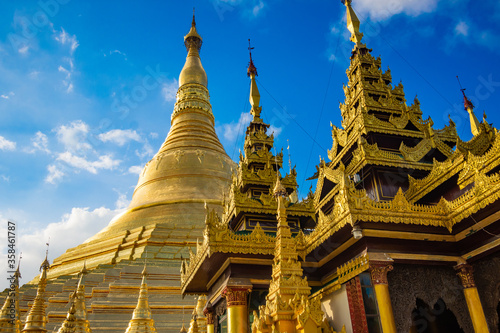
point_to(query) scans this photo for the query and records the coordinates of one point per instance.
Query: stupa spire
(69, 324)
(10, 321)
(254, 91)
(36, 319)
(193, 71)
(82, 324)
(353, 23)
(141, 321)
(469, 107)
(193, 325)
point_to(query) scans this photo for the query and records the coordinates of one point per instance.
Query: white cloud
(64, 38)
(73, 229)
(462, 28)
(117, 52)
(379, 10)
(169, 90)
(135, 169)
(7, 96)
(40, 142)
(146, 151)
(257, 8)
(231, 131)
(120, 137)
(54, 174)
(6, 144)
(122, 202)
(5, 178)
(24, 49)
(104, 162)
(73, 136)
(153, 135)
(275, 130)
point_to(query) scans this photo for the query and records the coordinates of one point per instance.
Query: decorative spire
(193, 325)
(201, 320)
(36, 319)
(183, 329)
(287, 304)
(141, 321)
(469, 107)
(353, 23)
(82, 324)
(9, 314)
(193, 71)
(251, 67)
(254, 91)
(279, 189)
(68, 325)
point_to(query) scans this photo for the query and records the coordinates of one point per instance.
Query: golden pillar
(209, 314)
(237, 308)
(378, 271)
(464, 272)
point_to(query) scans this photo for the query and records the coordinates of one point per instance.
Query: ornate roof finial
(251, 67)
(193, 71)
(9, 314)
(353, 23)
(254, 91)
(36, 319)
(474, 122)
(68, 325)
(141, 319)
(279, 189)
(82, 324)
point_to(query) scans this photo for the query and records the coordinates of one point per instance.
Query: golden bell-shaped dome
(189, 170)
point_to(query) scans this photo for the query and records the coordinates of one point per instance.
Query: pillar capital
(465, 273)
(209, 313)
(236, 295)
(379, 270)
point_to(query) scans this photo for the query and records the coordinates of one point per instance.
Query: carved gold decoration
(352, 268)
(379, 270)
(235, 296)
(465, 273)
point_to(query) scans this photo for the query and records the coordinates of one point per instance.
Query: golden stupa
(165, 217)
(167, 208)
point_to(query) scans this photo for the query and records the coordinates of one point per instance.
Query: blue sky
(87, 89)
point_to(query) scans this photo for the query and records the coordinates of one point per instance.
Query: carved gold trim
(379, 270)
(465, 273)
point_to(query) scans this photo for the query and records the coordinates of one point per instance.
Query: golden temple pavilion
(399, 235)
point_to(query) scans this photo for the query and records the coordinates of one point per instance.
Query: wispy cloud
(257, 8)
(231, 131)
(169, 90)
(275, 130)
(105, 162)
(7, 96)
(40, 142)
(123, 54)
(379, 10)
(120, 137)
(55, 174)
(66, 39)
(146, 151)
(462, 28)
(135, 169)
(7, 145)
(74, 135)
